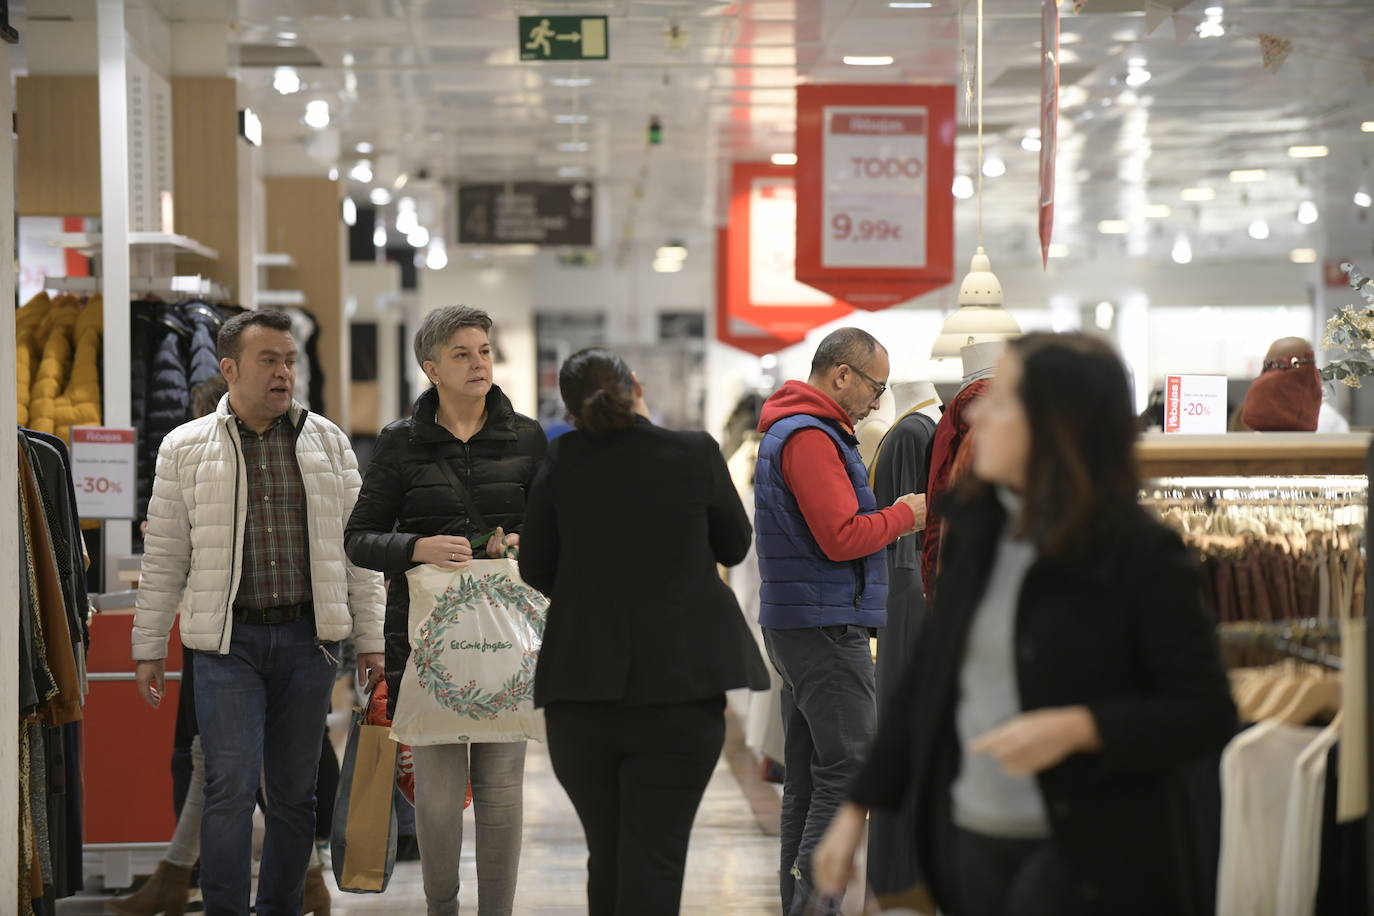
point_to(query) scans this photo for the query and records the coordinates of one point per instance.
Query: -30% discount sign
(1195, 404)
(104, 469)
(875, 187)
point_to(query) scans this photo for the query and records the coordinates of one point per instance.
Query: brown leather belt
(273, 616)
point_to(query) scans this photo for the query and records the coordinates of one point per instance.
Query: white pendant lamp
(980, 317)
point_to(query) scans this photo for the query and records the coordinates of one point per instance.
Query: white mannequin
(922, 395)
(872, 428)
(980, 360)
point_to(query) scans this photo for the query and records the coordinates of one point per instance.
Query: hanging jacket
(80, 402)
(405, 497)
(945, 464)
(28, 350)
(141, 323)
(804, 583)
(169, 389)
(53, 341)
(202, 356)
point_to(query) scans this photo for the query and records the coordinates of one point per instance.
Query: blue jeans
(261, 707)
(829, 717)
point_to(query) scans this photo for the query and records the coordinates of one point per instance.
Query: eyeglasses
(878, 387)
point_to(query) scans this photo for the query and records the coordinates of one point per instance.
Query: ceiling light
(671, 253)
(287, 36)
(1073, 96)
(1124, 35)
(401, 180)
(361, 172)
(286, 80)
(571, 118)
(574, 146)
(1259, 230)
(1031, 144)
(571, 171)
(1242, 175)
(418, 237)
(364, 148)
(568, 82)
(379, 235)
(1303, 256)
(348, 59)
(350, 212)
(1183, 251)
(1196, 194)
(993, 166)
(667, 266)
(407, 221)
(963, 187)
(317, 114)
(1113, 227)
(859, 60)
(1212, 27)
(1137, 63)
(406, 205)
(380, 197)
(1367, 127)
(1058, 250)
(1362, 199)
(1308, 152)
(1158, 211)
(1103, 315)
(437, 256)
(980, 317)
(333, 173)
(916, 5)
(1307, 213)
(784, 158)
(1137, 78)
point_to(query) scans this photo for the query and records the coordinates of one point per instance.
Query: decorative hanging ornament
(980, 317)
(1275, 51)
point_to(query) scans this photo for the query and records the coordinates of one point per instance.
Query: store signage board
(564, 38)
(1049, 120)
(104, 471)
(1195, 404)
(875, 213)
(762, 294)
(527, 213)
(732, 331)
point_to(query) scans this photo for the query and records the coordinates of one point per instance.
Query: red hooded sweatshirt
(816, 475)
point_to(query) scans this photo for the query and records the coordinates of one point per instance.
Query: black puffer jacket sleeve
(371, 538)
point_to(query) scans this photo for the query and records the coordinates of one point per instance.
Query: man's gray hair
(442, 324)
(845, 347)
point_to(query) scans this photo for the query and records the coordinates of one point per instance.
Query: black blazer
(1125, 632)
(623, 534)
(405, 497)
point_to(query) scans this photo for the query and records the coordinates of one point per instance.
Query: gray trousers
(441, 779)
(829, 716)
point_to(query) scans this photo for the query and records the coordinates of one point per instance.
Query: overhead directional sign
(564, 38)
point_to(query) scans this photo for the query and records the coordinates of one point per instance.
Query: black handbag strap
(474, 514)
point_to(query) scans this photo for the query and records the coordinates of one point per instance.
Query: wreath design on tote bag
(468, 699)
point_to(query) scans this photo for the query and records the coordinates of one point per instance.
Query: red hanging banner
(762, 295)
(1049, 119)
(730, 330)
(875, 210)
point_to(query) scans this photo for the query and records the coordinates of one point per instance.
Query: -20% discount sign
(103, 471)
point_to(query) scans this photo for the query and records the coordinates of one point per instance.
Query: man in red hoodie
(821, 546)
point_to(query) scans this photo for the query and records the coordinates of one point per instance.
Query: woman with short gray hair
(409, 513)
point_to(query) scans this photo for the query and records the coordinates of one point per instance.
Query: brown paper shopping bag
(364, 840)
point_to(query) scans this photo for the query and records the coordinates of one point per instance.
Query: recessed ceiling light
(1367, 127)
(1243, 175)
(286, 80)
(317, 114)
(917, 5)
(1113, 227)
(364, 148)
(348, 59)
(1362, 199)
(1196, 194)
(1137, 78)
(1030, 144)
(1158, 211)
(287, 36)
(380, 197)
(993, 166)
(1307, 213)
(1069, 38)
(362, 172)
(1303, 256)
(1259, 230)
(859, 60)
(334, 174)
(1058, 250)
(1308, 152)
(1183, 251)
(350, 212)
(784, 158)
(571, 82)
(963, 187)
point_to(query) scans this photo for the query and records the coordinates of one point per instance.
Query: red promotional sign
(730, 330)
(1049, 119)
(763, 302)
(1173, 401)
(875, 213)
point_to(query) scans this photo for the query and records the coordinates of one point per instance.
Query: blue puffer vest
(802, 587)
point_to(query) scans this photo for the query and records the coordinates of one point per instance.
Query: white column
(388, 363)
(114, 228)
(9, 514)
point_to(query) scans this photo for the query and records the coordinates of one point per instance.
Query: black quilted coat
(406, 496)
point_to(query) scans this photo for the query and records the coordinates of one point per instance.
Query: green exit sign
(564, 38)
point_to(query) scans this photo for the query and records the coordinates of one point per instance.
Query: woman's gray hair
(442, 324)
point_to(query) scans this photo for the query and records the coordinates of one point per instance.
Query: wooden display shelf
(1253, 455)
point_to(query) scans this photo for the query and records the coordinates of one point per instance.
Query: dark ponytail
(599, 391)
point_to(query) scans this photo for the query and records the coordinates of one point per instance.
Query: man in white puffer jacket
(247, 519)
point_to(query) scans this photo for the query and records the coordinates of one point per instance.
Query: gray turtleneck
(987, 799)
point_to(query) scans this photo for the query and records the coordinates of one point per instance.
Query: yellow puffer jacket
(27, 351)
(79, 404)
(65, 388)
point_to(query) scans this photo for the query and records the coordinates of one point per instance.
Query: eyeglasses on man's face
(878, 387)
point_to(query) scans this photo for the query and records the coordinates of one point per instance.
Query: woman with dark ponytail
(623, 530)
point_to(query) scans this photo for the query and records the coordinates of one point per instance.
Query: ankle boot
(317, 897)
(165, 892)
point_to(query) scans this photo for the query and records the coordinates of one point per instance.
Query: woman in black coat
(410, 511)
(625, 526)
(1067, 675)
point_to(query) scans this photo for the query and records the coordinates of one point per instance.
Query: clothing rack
(1291, 639)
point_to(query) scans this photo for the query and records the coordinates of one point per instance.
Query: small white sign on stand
(104, 471)
(1195, 404)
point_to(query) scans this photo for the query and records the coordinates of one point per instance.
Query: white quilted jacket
(196, 520)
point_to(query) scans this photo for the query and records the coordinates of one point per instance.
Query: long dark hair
(1082, 478)
(599, 391)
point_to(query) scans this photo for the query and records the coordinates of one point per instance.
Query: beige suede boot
(164, 893)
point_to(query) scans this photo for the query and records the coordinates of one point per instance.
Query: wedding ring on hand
(453, 557)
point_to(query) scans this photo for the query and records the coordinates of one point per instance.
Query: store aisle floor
(731, 867)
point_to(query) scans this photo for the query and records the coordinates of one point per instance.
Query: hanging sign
(733, 331)
(875, 210)
(1195, 404)
(564, 38)
(526, 213)
(1049, 119)
(103, 471)
(759, 259)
